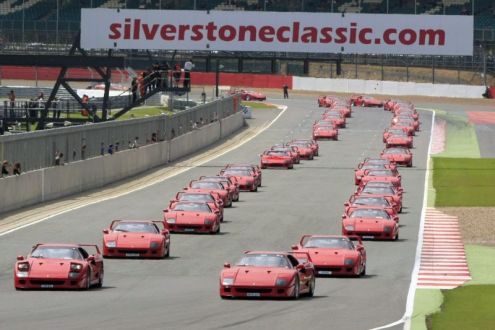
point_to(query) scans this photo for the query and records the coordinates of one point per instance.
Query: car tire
(336, 138)
(396, 238)
(218, 230)
(298, 161)
(263, 167)
(295, 294)
(167, 254)
(254, 188)
(409, 164)
(87, 284)
(290, 167)
(310, 157)
(236, 199)
(100, 279)
(312, 285)
(363, 272)
(316, 154)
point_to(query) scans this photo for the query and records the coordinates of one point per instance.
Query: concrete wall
(56, 182)
(379, 87)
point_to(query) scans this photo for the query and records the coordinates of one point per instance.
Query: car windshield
(264, 260)
(277, 153)
(370, 201)
(377, 161)
(398, 132)
(300, 144)
(328, 242)
(333, 114)
(380, 173)
(378, 190)
(206, 185)
(237, 172)
(370, 213)
(192, 207)
(394, 151)
(135, 227)
(56, 253)
(196, 198)
(371, 166)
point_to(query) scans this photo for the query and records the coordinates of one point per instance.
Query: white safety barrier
(379, 87)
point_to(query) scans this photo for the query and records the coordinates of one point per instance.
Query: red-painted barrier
(197, 78)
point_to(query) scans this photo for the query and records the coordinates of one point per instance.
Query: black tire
(100, 279)
(237, 199)
(167, 254)
(396, 238)
(316, 154)
(290, 167)
(218, 230)
(255, 189)
(295, 295)
(310, 157)
(87, 285)
(363, 272)
(409, 164)
(336, 138)
(312, 286)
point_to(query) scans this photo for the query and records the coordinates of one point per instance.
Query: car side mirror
(294, 247)
(343, 216)
(166, 211)
(186, 188)
(91, 259)
(301, 268)
(20, 258)
(164, 232)
(346, 204)
(106, 231)
(226, 265)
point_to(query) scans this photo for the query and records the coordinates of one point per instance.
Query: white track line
(406, 318)
(208, 159)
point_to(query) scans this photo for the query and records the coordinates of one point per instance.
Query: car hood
(323, 256)
(133, 240)
(259, 276)
(50, 268)
(368, 224)
(189, 217)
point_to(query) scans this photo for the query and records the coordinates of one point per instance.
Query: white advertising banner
(277, 31)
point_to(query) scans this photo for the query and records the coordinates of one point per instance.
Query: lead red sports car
(326, 101)
(192, 217)
(399, 155)
(252, 96)
(59, 266)
(273, 158)
(129, 238)
(366, 101)
(334, 255)
(267, 274)
(370, 223)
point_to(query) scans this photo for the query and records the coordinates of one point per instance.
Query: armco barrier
(56, 182)
(386, 87)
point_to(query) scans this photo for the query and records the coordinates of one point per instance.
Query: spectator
(286, 91)
(140, 82)
(201, 121)
(5, 169)
(172, 132)
(83, 149)
(59, 158)
(85, 102)
(164, 69)
(74, 154)
(188, 66)
(177, 73)
(134, 88)
(17, 169)
(136, 143)
(11, 96)
(102, 149)
(56, 110)
(110, 149)
(130, 145)
(153, 137)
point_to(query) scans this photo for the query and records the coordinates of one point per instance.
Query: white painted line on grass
(149, 184)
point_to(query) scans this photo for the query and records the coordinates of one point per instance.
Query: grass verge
(467, 308)
(461, 139)
(464, 181)
(481, 266)
(426, 301)
(258, 105)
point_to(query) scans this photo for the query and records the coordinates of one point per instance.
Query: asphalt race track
(182, 292)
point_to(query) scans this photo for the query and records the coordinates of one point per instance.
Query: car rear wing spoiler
(301, 256)
(92, 246)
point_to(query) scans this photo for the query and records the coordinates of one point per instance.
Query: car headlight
(208, 222)
(387, 229)
(154, 245)
(171, 221)
(349, 228)
(227, 281)
(281, 282)
(111, 244)
(75, 267)
(348, 262)
(22, 274)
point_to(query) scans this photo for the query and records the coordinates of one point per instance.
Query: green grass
(468, 308)
(258, 105)
(461, 139)
(139, 112)
(426, 301)
(481, 261)
(464, 181)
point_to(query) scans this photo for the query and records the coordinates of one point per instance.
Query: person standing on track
(286, 91)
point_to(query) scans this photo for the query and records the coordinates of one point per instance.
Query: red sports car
(304, 148)
(394, 131)
(267, 274)
(382, 175)
(321, 132)
(334, 255)
(360, 171)
(229, 182)
(391, 193)
(245, 177)
(192, 217)
(211, 186)
(273, 158)
(252, 96)
(399, 155)
(411, 112)
(406, 118)
(59, 266)
(335, 117)
(370, 223)
(314, 145)
(255, 168)
(367, 101)
(326, 101)
(399, 139)
(128, 238)
(293, 151)
(213, 200)
(343, 109)
(406, 125)
(356, 201)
